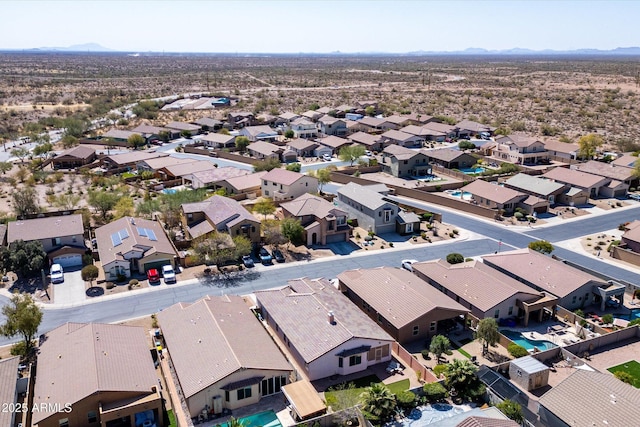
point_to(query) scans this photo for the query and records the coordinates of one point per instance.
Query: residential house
(626, 160)
(408, 308)
(247, 184)
(93, 374)
(259, 133)
(184, 128)
(554, 192)
(9, 391)
(592, 184)
(609, 170)
(303, 128)
(287, 117)
(370, 208)
(322, 221)
(281, 184)
(62, 237)
(222, 356)
(561, 150)
(129, 160)
(419, 119)
(588, 397)
(370, 141)
(418, 131)
(150, 132)
(156, 164)
(264, 150)
(220, 214)
(304, 147)
(208, 178)
(312, 115)
(486, 292)
(344, 109)
(407, 223)
(185, 170)
(130, 245)
(209, 124)
(367, 103)
(439, 132)
(451, 159)
(335, 143)
(631, 237)
(324, 332)
(241, 119)
(268, 119)
(328, 125)
(574, 288)
(119, 135)
(399, 121)
(519, 149)
(326, 110)
(402, 139)
(471, 128)
(503, 199)
(74, 157)
(218, 140)
(402, 162)
(376, 124)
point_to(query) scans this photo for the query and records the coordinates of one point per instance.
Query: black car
(265, 256)
(247, 261)
(277, 255)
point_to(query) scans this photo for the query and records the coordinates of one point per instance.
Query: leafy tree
(272, 233)
(466, 145)
(22, 173)
(434, 391)
(623, 376)
(351, 153)
(21, 153)
(23, 258)
(487, 333)
(146, 208)
(541, 246)
(589, 144)
(636, 168)
(461, 376)
(75, 126)
(164, 136)
(66, 201)
(220, 248)
(323, 176)
(265, 207)
(124, 207)
(5, 167)
(185, 134)
(517, 351)
(289, 133)
(43, 150)
(89, 273)
(22, 317)
(512, 410)
(607, 319)
(69, 141)
(241, 143)
(136, 141)
(266, 165)
(378, 403)
(406, 399)
(455, 258)
(294, 167)
(170, 204)
(634, 322)
(292, 230)
(370, 110)
(438, 346)
(25, 201)
(102, 201)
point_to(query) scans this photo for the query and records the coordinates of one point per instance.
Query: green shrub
(439, 369)
(406, 399)
(607, 318)
(110, 285)
(434, 391)
(517, 351)
(579, 312)
(425, 354)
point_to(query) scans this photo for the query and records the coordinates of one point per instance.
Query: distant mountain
(87, 47)
(520, 51)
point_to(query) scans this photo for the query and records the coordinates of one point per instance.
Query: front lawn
(344, 396)
(632, 368)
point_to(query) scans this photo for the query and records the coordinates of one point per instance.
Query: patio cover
(304, 399)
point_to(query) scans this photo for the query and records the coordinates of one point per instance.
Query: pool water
(425, 415)
(527, 343)
(465, 195)
(469, 171)
(169, 191)
(261, 419)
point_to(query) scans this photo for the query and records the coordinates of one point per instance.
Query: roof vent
(331, 318)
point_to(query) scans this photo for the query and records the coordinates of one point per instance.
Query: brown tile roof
(310, 204)
(45, 228)
(399, 152)
(150, 129)
(397, 135)
(218, 138)
(593, 398)
(133, 157)
(553, 276)
(79, 359)
(282, 176)
(477, 283)
(247, 182)
(416, 130)
(288, 115)
(209, 176)
(495, 193)
(302, 144)
(476, 421)
(264, 148)
(120, 134)
(439, 127)
(574, 177)
(625, 161)
(215, 337)
(533, 184)
(328, 120)
(183, 126)
(157, 163)
(474, 126)
(311, 300)
(79, 152)
(371, 121)
(333, 141)
(257, 130)
(189, 168)
(208, 121)
(398, 120)
(108, 252)
(561, 147)
(8, 379)
(398, 295)
(633, 231)
(221, 211)
(621, 173)
(518, 139)
(365, 138)
(444, 154)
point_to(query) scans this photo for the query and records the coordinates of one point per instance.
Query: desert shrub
(110, 285)
(133, 282)
(455, 258)
(406, 399)
(517, 351)
(434, 391)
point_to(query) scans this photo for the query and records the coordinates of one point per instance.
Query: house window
(497, 314)
(266, 192)
(253, 228)
(356, 359)
(341, 220)
(432, 326)
(573, 300)
(73, 239)
(64, 422)
(387, 215)
(510, 310)
(226, 396)
(416, 330)
(330, 225)
(244, 393)
(405, 162)
(189, 216)
(92, 417)
(55, 241)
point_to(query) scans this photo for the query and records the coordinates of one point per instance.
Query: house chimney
(331, 318)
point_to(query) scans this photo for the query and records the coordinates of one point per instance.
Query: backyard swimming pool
(527, 343)
(261, 419)
(470, 171)
(456, 193)
(425, 415)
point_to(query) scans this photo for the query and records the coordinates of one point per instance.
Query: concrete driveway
(72, 290)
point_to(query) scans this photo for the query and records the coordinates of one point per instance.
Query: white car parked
(407, 264)
(168, 274)
(326, 157)
(57, 274)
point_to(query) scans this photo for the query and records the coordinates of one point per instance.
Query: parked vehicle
(168, 274)
(57, 273)
(247, 261)
(407, 264)
(326, 157)
(277, 255)
(265, 256)
(368, 153)
(153, 275)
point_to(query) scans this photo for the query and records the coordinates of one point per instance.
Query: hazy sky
(319, 26)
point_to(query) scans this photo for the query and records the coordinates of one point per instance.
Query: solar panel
(124, 233)
(142, 231)
(151, 234)
(115, 239)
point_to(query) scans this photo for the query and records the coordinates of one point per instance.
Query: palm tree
(461, 376)
(378, 402)
(234, 422)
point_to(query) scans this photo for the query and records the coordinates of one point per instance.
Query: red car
(153, 275)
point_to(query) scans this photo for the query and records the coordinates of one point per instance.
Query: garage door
(155, 264)
(70, 260)
(335, 238)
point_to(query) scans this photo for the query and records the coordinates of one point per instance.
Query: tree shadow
(227, 280)
(95, 291)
